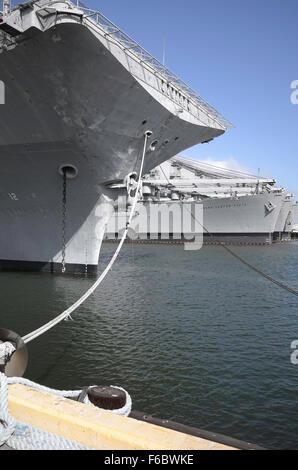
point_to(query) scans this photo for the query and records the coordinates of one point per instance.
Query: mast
(6, 7)
(164, 49)
(258, 183)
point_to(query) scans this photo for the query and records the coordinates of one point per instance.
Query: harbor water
(194, 336)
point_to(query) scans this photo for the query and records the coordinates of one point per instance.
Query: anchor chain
(64, 209)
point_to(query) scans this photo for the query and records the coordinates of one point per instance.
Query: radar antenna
(6, 7)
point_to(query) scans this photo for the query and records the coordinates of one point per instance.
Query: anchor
(14, 357)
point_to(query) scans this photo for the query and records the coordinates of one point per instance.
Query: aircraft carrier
(236, 207)
(79, 97)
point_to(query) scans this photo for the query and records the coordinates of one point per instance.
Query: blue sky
(241, 56)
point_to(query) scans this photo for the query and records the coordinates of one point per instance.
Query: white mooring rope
(6, 351)
(23, 436)
(66, 314)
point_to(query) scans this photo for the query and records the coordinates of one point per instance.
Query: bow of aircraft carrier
(80, 96)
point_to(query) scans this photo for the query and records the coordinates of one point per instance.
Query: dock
(102, 430)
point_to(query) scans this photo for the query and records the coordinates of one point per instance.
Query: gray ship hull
(285, 221)
(69, 101)
(243, 220)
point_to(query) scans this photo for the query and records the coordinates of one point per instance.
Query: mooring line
(66, 314)
(242, 260)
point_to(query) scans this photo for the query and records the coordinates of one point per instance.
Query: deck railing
(145, 57)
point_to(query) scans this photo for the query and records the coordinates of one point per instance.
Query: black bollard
(107, 398)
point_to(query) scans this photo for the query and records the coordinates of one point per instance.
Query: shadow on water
(55, 362)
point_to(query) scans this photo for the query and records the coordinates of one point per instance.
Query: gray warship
(236, 207)
(79, 97)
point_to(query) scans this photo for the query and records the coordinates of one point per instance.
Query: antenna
(258, 184)
(6, 7)
(164, 49)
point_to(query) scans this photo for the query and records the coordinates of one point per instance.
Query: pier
(102, 430)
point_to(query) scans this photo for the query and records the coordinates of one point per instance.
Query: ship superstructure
(79, 97)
